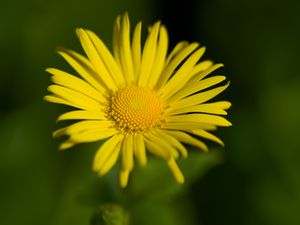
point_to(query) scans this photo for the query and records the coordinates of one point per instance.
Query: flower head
(140, 99)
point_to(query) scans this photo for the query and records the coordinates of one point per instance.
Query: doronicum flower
(139, 99)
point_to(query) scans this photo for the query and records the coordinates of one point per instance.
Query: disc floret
(135, 109)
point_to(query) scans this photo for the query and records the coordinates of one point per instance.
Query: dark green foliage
(255, 180)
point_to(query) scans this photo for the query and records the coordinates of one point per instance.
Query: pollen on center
(135, 109)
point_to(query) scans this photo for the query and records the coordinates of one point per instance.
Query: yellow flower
(139, 99)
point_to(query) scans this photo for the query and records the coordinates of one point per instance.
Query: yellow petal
(185, 138)
(175, 62)
(188, 126)
(127, 153)
(70, 81)
(201, 66)
(110, 160)
(124, 175)
(222, 104)
(203, 74)
(162, 144)
(207, 135)
(87, 125)
(160, 57)
(155, 149)
(116, 40)
(203, 108)
(59, 100)
(198, 98)
(83, 67)
(105, 151)
(83, 127)
(175, 170)
(181, 77)
(91, 136)
(172, 141)
(148, 56)
(196, 87)
(199, 118)
(109, 61)
(66, 145)
(139, 149)
(125, 50)
(75, 97)
(95, 59)
(136, 48)
(178, 48)
(82, 115)
(58, 133)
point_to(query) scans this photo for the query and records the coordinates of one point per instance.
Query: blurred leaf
(157, 181)
(110, 214)
(151, 212)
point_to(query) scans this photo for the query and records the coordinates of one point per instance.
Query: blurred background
(254, 180)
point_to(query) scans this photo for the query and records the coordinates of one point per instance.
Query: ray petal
(83, 67)
(172, 141)
(160, 57)
(196, 87)
(198, 98)
(181, 77)
(85, 125)
(127, 153)
(89, 124)
(186, 138)
(207, 135)
(110, 160)
(116, 39)
(95, 59)
(59, 132)
(148, 55)
(155, 149)
(188, 126)
(70, 81)
(162, 145)
(203, 108)
(174, 63)
(178, 48)
(59, 100)
(82, 115)
(201, 75)
(92, 136)
(175, 170)
(199, 118)
(105, 151)
(75, 97)
(139, 149)
(124, 175)
(201, 66)
(108, 59)
(222, 104)
(136, 48)
(125, 49)
(66, 145)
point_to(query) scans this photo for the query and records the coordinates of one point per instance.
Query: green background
(254, 180)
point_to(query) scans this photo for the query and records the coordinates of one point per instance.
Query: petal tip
(46, 98)
(65, 145)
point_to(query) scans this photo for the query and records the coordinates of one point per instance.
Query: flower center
(135, 109)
